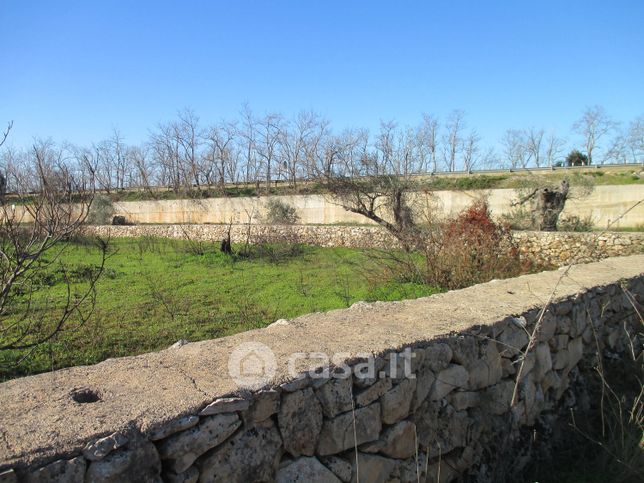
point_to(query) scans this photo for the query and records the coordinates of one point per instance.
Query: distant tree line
(184, 154)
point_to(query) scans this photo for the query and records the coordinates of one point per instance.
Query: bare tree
(470, 151)
(635, 140)
(220, 158)
(515, 148)
(534, 142)
(267, 147)
(427, 134)
(554, 149)
(32, 238)
(593, 125)
(452, 141)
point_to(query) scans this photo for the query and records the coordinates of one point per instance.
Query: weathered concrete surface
(145, 391)
(605, 204)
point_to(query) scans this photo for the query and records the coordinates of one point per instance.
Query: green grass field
(154, 292)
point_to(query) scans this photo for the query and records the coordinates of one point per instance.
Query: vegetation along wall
(460, 380)
(554, 248)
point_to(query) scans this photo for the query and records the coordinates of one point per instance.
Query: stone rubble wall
(444, 421)
(550, 248)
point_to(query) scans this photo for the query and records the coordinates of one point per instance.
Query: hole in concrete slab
(85, 395)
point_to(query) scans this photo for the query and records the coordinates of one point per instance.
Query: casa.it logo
(252, 365)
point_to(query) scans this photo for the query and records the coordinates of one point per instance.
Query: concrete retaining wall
(556, 248)
(605, 204)
(452, 374)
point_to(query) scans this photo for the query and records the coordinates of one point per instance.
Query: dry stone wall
(552, 248)
(425, 390)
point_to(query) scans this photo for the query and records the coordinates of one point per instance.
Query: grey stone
(485, 369)
(513, 339)
(306, 470)
(547, 328)
(367, 372)
(397, 441)
(61, 471)
(8, 476)
(424, 381)
(337, 434)
(438, 356)
(561, 359)
(508, 367)
(182, 449)
(191, 475)
(373, 392)
(496, 399)
(575, 352)
(297, 384)
(441, 428)
(464, 399)
(265, 404)
(396, 403)
(225, 405)
(454, 377)
(249, 456)
(372, 469)
(340, 467)
(172, 427)
(336, 396)
(300, 421)
(140, 464)
(99, 449)
(543, 360)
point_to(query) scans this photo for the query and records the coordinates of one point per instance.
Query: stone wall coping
(41, 419)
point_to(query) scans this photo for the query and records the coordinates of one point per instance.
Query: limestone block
(485, 370)
(101, 448)
(191, 475)
(172, 427)
(464, 399)
(337, 434)
(140, 463)
(397, 441)
(496, 399)
(306, 470)
(373, 392)
(182, 449)
(513, 338)
(250, 455)
(372, 468)
(396, 403)
(543, 360)
(575, 352)
(265, 404)
(424, 381)
(225, 405)
(438, 356)
(62, 471)
(340, 467)
(547, 328)
(454, 377)
(300, 421)
(335, 396)
(8, 476)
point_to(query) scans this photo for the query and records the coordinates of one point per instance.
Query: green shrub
(280, 213)
(101, 211)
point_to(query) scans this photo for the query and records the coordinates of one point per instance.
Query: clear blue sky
(73, 70)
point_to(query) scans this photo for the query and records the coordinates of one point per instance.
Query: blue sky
(74, 70)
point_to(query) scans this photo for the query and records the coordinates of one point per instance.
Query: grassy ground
(155, 292)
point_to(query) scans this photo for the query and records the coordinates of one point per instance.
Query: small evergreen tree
(576, 158)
